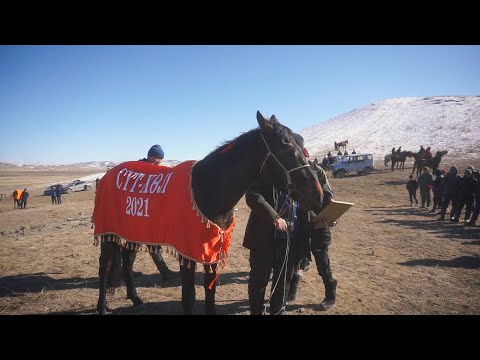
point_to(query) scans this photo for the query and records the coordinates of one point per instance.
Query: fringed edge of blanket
(202, 217)
(163, 249)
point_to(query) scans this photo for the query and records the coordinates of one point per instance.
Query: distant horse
(387, 159)
(341, 144)
(216, 184)
(433, 163)
(399, 159)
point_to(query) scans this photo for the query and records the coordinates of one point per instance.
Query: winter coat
(412, 185)
(425, 181)
(467, 188)
(452, 184)
(260, 230)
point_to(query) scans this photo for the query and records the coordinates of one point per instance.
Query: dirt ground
(388, 257)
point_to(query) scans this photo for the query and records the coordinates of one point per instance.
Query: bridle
(287, 172)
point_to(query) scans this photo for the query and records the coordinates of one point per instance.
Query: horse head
(285, 166)
(441, 153)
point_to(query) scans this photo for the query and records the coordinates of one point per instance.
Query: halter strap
(287, 172)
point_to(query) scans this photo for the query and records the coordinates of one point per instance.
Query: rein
(287, 172)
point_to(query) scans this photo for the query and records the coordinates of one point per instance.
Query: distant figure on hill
(329, 155)
(345, 153)
(354, 152)
(97, 180)
(339, 153)
(336, 146)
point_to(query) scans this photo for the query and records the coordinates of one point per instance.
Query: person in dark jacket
(58, 191)
(268, 236)
(53, 194)
(425, 183)
(24, 199)
(155, 156)
(476, 208)
(311, 240)
(438, 190)
(412, 186)
(452, 188)
(466, 195)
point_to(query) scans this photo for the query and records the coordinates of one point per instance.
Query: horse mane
(231, 144)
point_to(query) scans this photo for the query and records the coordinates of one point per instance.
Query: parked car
(78, 185)
(48, 191)
(359, 163)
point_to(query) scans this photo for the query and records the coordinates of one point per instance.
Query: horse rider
(315, 241)
(155, 156)
(428, 154)
(421, 152)
(399, 150)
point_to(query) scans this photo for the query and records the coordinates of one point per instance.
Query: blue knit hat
(156, 151)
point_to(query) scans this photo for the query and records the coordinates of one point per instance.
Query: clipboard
(331, 212)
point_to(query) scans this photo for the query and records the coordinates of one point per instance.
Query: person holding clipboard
(314, 237)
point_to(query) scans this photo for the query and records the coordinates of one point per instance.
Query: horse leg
(108, 261)
(187, 273)
(210, 293)
(128, 258)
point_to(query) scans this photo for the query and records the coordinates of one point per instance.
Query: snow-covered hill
(443, 122)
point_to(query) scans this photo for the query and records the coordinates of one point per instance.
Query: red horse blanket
(146, 204)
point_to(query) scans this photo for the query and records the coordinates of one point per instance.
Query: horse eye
(286, 142)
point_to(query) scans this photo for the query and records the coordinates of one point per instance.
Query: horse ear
(265, 123)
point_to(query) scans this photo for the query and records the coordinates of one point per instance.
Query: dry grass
(388, 258)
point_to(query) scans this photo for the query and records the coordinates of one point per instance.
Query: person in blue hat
(155, 156)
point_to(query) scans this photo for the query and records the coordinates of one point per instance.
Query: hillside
(442, 122)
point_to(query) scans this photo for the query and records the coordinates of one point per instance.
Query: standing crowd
(448, 188)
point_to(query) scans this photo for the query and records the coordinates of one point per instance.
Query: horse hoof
(137, 301)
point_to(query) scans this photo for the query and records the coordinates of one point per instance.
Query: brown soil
(388, 257)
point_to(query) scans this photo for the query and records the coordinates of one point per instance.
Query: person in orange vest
(17, 195)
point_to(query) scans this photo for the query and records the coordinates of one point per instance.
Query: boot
(330, 295)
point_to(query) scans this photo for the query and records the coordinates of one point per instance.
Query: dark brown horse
(341, 144)
(218, 182)
(432, 163)
(399, 160)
